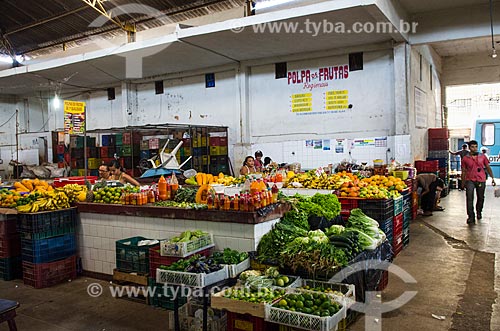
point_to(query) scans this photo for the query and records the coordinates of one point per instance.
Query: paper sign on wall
(326, 144)
(74, 117)
(301, 102)
(381, 142)
(337, 100)
(309, 144)
(363, 142)
(339, 146)
(318, 144)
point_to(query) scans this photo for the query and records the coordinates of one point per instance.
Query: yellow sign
(74, 107)
(337, 100)
(301, 102)
(74, 117)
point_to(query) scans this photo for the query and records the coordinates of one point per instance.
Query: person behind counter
(248, 166)
(259, 166)
(104, 173)
(118, 174)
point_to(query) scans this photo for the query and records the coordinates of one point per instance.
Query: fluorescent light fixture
(19, 58)
(262, 4)
(56, 102)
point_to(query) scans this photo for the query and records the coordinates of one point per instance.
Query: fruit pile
(250, 295)
(110, 195)
(49, 200)
(271, 277)
(195, 264)
(375, 187)
(28, 185)
(323, 181)
(9, 198)
(318, 304)
(74, 192)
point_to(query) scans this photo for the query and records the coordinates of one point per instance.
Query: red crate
(384, 281)
(397, 244)
(438, 133)
(348, 204)
(427, 166)
(397, 225)
(218, 141)
(67, 157)
(156, 260)
(439, 144)
(43, 275)
(246, 322)
(60, 149)
(8, 224)
(60, 164)
(106, 160)
(10, 246)
(80, 180)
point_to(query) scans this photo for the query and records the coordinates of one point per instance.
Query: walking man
(474, 178)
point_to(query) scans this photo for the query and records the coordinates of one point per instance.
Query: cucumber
(341, 239)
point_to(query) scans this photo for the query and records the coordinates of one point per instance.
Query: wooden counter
(190, 214)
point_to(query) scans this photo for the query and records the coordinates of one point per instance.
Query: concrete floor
(454, 265)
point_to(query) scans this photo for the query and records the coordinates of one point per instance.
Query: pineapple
(90, 194)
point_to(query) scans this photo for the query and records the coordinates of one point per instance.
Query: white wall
(432, 104)
(371, 92)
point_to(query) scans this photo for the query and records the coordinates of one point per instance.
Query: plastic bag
(497, 192)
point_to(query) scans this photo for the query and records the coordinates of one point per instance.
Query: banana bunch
(74, 192)
(50, 200)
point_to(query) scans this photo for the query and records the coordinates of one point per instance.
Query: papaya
(20, 187)
(221, 175)
(199, 178)
(201, 195)
(210, 178)
(28, 184)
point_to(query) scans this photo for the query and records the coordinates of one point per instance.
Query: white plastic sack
(497, 192)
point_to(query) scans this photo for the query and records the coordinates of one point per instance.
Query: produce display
(309, 303)
(9, 198)
(229, 256)
(271, 277)
(184, 205)
(186, 194)
(290, 243)
(28, 185)
(49, 200)
(110, 195)
(195, 264)
(187, 236)
(74, 192)
(322, 289)
(247, 294)
(349, 185)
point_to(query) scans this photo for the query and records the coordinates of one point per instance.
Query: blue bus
(487, 135)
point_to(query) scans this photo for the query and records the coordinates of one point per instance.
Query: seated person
(118, 174)
(104, 172)
(429, 184)
(248, 166)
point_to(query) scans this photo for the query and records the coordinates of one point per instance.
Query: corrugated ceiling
(34, 27)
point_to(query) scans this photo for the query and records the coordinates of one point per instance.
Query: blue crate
(47, 221)
(48, 250)
(407, 217)
(145, 154)
(386, 226)
(398, 205)
(106, 140)
(11, 268)
(406, 203)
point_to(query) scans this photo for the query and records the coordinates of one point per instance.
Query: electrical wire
(7, 121)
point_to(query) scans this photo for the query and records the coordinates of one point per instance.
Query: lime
(306, 310)
(283, 303)
(280, 282)
(308, 303)
(285, 279)
(299, 305)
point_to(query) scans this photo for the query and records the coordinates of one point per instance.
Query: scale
(169, 164)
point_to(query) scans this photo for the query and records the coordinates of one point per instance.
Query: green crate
(119, 139)
(74, 172)
(160, 298)
(65, 229)
(132, 258)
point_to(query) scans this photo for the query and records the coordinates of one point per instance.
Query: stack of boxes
(48, 247)
(77, 162)
(439, 151)
(10, 248)
(218, 155)
(383, 212)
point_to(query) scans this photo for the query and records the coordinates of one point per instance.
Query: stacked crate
(346, 205)
(218, 155)
(48, 247)
(397, 225)
(10, 248)
(407, 212)
(439, 150)
(382, 211)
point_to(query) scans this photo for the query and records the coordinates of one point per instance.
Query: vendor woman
(248, 166)
(118, 174)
